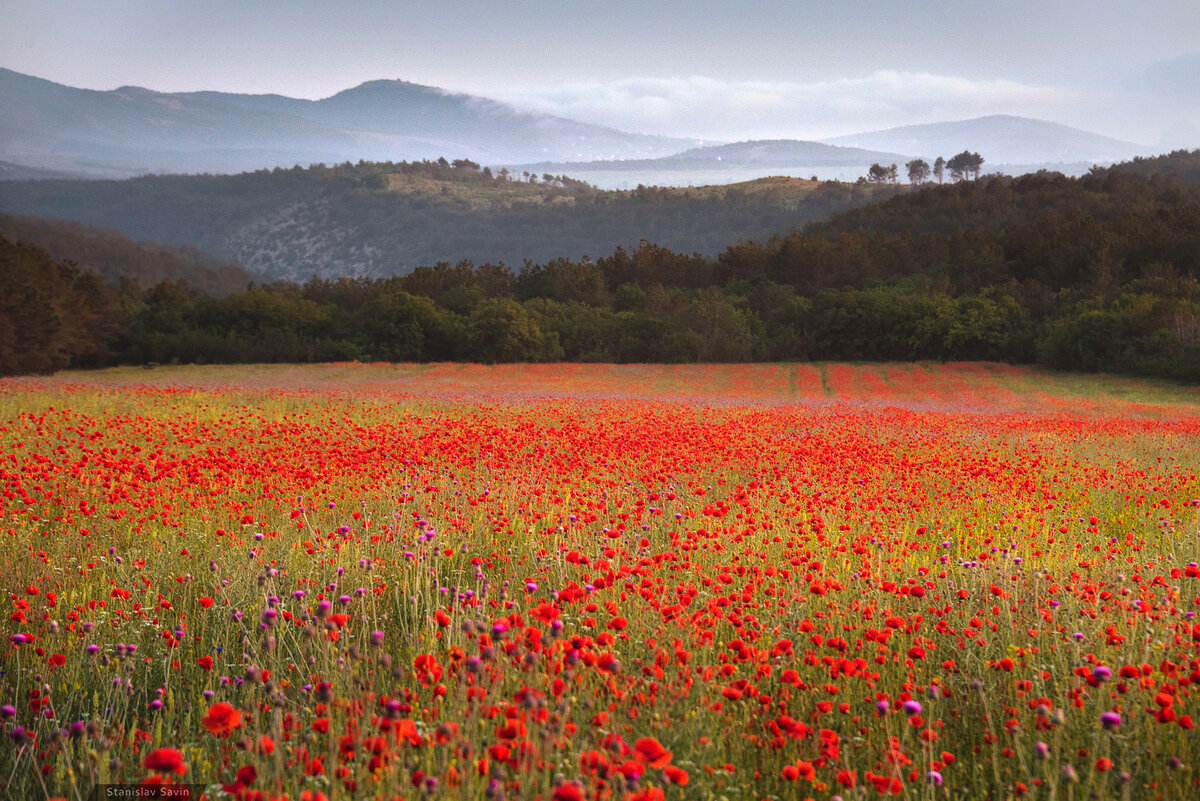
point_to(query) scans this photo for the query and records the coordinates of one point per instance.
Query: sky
(709, 69)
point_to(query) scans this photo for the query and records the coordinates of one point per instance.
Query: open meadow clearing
(920, 581)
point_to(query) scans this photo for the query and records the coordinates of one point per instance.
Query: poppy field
(568, 582)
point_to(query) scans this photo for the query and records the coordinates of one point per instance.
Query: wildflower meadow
(568, 582)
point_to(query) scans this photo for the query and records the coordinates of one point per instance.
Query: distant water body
(714, 176)
(629, 179)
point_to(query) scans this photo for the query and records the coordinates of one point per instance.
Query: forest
(1097, 273)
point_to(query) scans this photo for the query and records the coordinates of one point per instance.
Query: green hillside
(375, 220)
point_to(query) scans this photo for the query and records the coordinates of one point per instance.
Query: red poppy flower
(568, 792)
(675, 775)
(651, 752)
(222, 719)
(165, 760)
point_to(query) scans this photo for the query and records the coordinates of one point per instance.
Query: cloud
(727, 110)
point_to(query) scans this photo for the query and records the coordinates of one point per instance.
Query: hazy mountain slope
(764, 153)
(479, 128)
(20, 172)
(782, 153)
(380, 219)
(131, 130)
(1000, 139)
(113, 254)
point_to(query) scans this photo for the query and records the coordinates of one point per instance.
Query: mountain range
(1001, 139)
(132, 131)
(50, 130)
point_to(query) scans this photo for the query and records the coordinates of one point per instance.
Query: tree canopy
(918, 171)
(965, 165)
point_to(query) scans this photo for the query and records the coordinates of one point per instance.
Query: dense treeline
(379, 219)
(1183, 164)
(1095, 273)
(116, 256)
(52, 314)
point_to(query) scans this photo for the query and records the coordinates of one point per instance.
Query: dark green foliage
(965, 165)
(1182, 164)
(52, 314)
(502, 330)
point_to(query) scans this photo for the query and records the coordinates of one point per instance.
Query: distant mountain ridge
(765, 153)
(1014, 145)
(131, 130)
(21, 172)
(784, 153)
(1000, 139)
